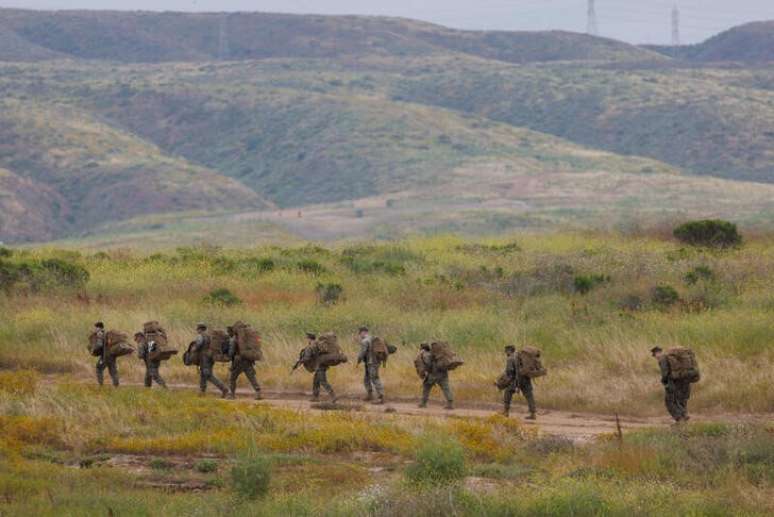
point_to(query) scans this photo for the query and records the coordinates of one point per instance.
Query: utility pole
(675, 26)
(223, 50)
(591, 22)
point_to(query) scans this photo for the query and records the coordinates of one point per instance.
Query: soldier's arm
(232, 347)
(663, 364)
(200, 342)
(364, 345)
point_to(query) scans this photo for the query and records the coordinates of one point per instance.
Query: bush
(583, 284)
(329, 294)
(698, 273)
(251, 476)
(711, 233)
(160, 464)
(437, 462)
(5, 252)
(310, 266)
(206, 466)
(222, 297)
(664, 296)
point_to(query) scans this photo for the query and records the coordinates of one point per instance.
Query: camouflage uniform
(105, 360)
(371, 379)
(435, 376)
(151, 368)
(518, 383)
(206, 364)
(321, 381)
(240, 365)
(677, 392)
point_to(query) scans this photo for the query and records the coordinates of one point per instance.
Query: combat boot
(531, 416)
(369, 397)
(258, 395)
(231, 396)
(449, 405)
(379, 401)
(224, 394)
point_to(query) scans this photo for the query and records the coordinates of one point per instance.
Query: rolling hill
(113, 117)
(750, 43)
(158, 37)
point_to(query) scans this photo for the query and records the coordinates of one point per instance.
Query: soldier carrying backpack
(206, 361)
(373, 352)
(243, 350)
(520, 368)
(433, 365)
(679, 370)
(108, 346)
(151, 365)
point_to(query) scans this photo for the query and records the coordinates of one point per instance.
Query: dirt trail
(575, 426)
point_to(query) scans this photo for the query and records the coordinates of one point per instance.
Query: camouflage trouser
(321, 381)
(112, 368)
(238, 367)
(524, 384)
(676, 398)
(205, 374)
(371, 380)
(152, 374)
(443, 382)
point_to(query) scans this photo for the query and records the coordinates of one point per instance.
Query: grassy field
(68, 447)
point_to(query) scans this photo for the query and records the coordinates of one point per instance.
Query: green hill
(750, 43)
(158, 37)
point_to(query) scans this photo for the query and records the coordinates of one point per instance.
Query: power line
(675, 25)
(592, 27)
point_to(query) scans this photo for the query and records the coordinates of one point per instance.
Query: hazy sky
(637, 21)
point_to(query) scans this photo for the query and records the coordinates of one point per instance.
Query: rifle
(298, 363)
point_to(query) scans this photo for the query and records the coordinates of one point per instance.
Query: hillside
(749, 43)
(158, 37)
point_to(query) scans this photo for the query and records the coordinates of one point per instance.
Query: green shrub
(698, 273)
(206, 466)
(160, 464)
(630, 302)
(664, 296)
(251, 476)
(310, 266)
(583, 284)
(222, 297)
(711, 233)
(5, 252)
(64, 274)
(329, 294)
(437, 462)
(260, 265)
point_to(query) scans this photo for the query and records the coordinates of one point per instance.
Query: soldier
(105, 359)
(206, 362)
(435, 375)
(151, 366)
(371, 378)
(240, 365)
(677, 392)
(320, 375)
(518, 383)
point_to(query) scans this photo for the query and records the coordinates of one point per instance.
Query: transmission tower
(675, 25)
(223, 50)
(591, 23)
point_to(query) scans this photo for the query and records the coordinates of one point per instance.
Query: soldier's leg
(203, 379)
(367, 382)
(670, 400)
(376, 381)
(156, 376)
(218, 383)
(233, 376)
(100, 369)
(683, 393)
(148, 376)
(426, 387)
(526, 389)
(326, 385)
(447, 392)
(250, 374)
(507, 399)
(316, 385)
(112, 366)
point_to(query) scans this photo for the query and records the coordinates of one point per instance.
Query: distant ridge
(749, 43)
(146, 37)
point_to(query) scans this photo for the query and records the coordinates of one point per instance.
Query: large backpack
(191, 356)
(117, 344)
(248, 342)
(530, 364)
(683, 365)
(503, 381)
(445, 358)
(218, 348)
(157, 342)
(381, 350)
(329, 352)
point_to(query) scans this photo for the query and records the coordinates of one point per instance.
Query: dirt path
(572, 425)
